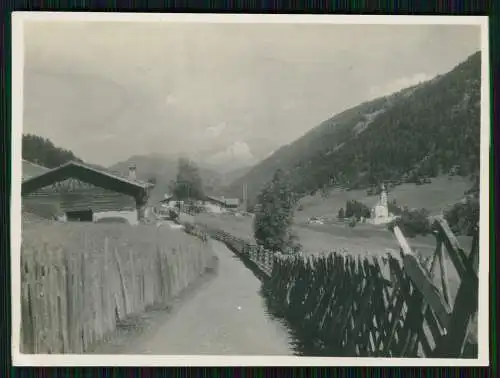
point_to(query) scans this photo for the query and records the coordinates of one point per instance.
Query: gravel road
(225, 316)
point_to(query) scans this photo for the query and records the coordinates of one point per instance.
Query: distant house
(232, 203)
(83, 192)
(223, 203)
(168, 200)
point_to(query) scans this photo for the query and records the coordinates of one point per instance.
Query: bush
(463, 217)
(413, 223)
(174, 215)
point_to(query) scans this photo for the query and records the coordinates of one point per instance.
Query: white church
(380, 212)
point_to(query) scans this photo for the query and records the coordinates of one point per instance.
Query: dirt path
(225, 316)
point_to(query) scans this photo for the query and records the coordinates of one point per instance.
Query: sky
(224, 93)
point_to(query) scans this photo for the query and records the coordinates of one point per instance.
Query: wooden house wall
(77, 199)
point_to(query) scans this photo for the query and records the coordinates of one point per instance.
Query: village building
(212, 204)
(221, 204)
(81, 192)
(168, 201)
(380, 212)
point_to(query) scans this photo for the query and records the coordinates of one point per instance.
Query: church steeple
(383, 196)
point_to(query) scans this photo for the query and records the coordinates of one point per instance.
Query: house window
(80, 216)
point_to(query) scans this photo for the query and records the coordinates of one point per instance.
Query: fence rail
(386, 306)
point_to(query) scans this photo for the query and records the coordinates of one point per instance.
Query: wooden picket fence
(379, 306)
(79, 282)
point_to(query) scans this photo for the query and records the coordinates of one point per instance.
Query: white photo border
(19, 359)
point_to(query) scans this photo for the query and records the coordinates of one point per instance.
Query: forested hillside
(43, 152)
(417, 133)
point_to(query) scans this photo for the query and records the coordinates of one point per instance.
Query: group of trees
(42, 151)
(354, 209)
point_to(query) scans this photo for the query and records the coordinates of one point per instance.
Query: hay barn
(81, 192)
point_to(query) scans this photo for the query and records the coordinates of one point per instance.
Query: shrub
(413, 222)
(463, 217)
(174, 215)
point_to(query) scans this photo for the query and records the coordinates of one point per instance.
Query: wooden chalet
(80, 190)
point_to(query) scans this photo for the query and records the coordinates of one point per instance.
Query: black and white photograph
(250, 189)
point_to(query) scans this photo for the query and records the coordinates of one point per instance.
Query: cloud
(399, 84)
(215, 131)
(236, 152)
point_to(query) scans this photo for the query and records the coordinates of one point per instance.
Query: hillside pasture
(80, 281)
(442, 193)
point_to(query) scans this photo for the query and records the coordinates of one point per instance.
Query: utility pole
(245, 193)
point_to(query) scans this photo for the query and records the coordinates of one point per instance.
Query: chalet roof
(167, 198)
(86, 173)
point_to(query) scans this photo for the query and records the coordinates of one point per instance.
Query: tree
(42, 151)
(274, 215)
(188, 184)
(357, 210)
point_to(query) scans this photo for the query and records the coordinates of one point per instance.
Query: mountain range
(420, 132)
(423, 131)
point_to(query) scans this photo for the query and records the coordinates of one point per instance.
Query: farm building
(220, 204)
(168, 201)
(81, 192)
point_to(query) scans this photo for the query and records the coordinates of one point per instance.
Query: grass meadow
(442, 193)
(80, 280)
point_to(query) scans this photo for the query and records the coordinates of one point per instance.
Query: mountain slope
(423, 131)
